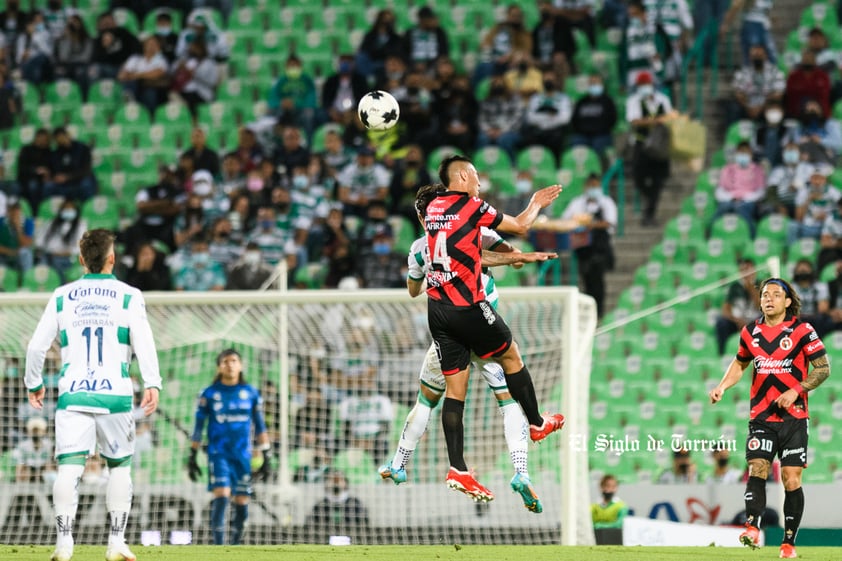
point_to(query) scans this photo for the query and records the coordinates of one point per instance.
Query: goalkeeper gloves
(265, 471)
(193, 469)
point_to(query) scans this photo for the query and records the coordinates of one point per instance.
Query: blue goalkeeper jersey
(229, 412)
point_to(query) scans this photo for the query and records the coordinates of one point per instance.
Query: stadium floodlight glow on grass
(297, 336)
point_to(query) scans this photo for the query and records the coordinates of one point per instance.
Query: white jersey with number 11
(99, 322)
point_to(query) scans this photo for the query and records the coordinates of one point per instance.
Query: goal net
(338, 372)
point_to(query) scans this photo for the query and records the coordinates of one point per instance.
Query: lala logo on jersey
(90, 385)
(786, 343)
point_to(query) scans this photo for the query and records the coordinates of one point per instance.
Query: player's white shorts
(432, 377)
(78, 432)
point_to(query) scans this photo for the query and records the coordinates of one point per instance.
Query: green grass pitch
(424, 553)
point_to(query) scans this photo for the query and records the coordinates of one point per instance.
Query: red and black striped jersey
(781, 355)
(452, 223)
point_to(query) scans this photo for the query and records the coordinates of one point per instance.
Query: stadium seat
(40, 278)
(804, 248)
(174, 115)
(700, 204)
(101, 211)
(774, 227)
(9, 279)
(357, 465)
(822, 15)
(106, 94)
(540, 161)
(48, 209)
(733, 229)
(128, 19)
(216, 115)
(740, 131)
(89, 116)
(437, 155)
(133, 117)
(683, 228)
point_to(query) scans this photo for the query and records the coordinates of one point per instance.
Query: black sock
(755, 500)
(452, 411)
(522, 390)
(793, 509)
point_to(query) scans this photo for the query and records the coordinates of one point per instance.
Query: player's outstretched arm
(731, 377)
(560, 225)
(496, 259)
(521, 223)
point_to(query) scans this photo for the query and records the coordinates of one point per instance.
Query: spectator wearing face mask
(378, 43)
(338, 513)
(500, 118)
(250, 272)
(610, 511)
(380, 266)
(638, 51)
(504, 45)
(786, 180)
(292, 99)
(274, 242)
(547, 116)
(408, 176)
(199, 272)
(167, 38)
(597, 213)
(814, 295)
(594, 118)
(222, 248)
(342, 92)
(34, 50)
(741, 185)
(57, 242)
(770, 132)
(819, 137)
(362, 182)
(723, 471)
(755, 85)
(683, 469)
(813, 205)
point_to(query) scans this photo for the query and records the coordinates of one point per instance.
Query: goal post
(347, 346)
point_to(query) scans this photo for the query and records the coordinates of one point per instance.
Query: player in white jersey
(99, 322)
(496, 251)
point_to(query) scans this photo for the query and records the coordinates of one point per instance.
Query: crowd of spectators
(305, 183)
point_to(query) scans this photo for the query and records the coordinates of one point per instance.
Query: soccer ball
(378, 110)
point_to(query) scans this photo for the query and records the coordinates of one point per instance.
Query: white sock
(118, 500)
(65, 501)
(515, 428)
(413, 430)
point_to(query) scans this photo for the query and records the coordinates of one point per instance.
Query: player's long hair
(95, 246)
(222, 355)
(444, 167)
(794, 307)
(425, 195)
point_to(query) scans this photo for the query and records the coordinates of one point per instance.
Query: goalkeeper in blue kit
(230, 407)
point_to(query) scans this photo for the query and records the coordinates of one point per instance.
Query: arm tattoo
(495, 258)
(819, 373)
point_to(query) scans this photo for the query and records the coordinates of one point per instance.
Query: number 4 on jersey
(440, 256)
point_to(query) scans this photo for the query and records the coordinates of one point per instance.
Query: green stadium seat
(684, 227)
(540, 161)
(822, 15)
(46, 115)
(40, 278)
(733, 228)
(774, 227)
(739, 132)
(174, 114)
(101, 211)
(403, 231)
(107, 94)
(9, 279)
(247, 18)
(48, 209)
(722, 250)
(64, 94)
(29, 93)
(89, 116)
(698, 344)
(133, 117)
(437, 155)
(357, 465)
(700, 204)
(804, 248)
(128, 19)
(707, 181)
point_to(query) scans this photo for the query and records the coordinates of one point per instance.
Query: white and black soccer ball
(378, 110)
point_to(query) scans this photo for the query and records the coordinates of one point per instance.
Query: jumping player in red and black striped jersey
(781, 347)
(460, 319)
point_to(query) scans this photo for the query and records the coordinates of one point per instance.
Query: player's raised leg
(523, 391)
(429, 393)
(515, 430)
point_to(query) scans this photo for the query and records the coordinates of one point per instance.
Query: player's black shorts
(787, 440)
(458, 330)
